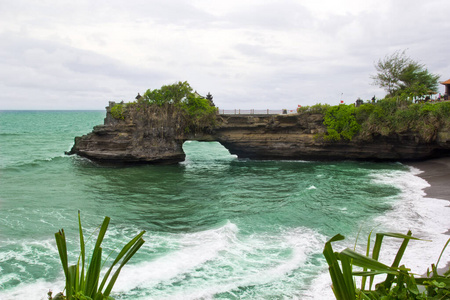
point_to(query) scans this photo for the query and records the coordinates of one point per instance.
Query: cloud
(31, 68)
(248, 54)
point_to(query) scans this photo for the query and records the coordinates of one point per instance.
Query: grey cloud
(176, 12)
(281, 15)
(34, 68)
(38, 62)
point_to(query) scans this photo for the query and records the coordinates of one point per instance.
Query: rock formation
(146, 136)
(157, 137)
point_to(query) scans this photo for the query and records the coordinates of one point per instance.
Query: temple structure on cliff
(447, 87)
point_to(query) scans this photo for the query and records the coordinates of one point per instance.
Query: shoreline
(437, 173)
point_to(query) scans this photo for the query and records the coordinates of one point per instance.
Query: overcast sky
(247, 53)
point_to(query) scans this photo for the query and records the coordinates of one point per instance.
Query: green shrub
(118, 111)
(363, 112)
(391, 116)
(314, 109)
(341, 122)
(176, 103)
(168, 94)
(200, 113)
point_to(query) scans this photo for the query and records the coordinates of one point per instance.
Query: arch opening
(200, 151)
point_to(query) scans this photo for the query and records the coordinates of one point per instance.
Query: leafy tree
(168, 94)
(200, 111)
(193, 110)
(399, 74)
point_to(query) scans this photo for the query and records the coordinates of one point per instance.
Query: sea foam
(221, 260)
(427, 218)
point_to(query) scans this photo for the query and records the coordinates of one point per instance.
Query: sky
(249, 54)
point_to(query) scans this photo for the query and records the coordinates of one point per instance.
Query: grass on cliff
(177, 101)
(386, 117)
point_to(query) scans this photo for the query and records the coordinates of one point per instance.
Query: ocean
(218, 227)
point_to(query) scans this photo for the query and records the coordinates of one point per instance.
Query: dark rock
(148, 136)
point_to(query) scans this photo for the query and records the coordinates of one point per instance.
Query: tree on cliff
(172, 94)
(196, 111)
(399, 74)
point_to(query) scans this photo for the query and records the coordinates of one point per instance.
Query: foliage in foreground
(82, 281)
(386, 117)
(399, 282)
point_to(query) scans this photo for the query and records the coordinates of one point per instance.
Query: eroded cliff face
(146, 136)
(297, 137)
(157, 137)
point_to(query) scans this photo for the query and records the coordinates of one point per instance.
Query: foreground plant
(82, 282)
(399, 282)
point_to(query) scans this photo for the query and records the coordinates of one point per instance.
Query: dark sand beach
(437, 173)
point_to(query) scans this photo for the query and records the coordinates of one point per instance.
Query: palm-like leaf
(87, 284)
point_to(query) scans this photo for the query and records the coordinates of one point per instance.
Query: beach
(437, 173)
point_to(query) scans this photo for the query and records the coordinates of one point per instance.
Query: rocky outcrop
(298, 137)
(157, 137)
(151, 136)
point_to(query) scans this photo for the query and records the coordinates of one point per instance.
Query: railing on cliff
(255, 111)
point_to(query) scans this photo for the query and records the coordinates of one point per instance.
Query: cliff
(150, 136)
(145, 136)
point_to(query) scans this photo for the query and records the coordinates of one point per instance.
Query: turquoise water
(217, 227)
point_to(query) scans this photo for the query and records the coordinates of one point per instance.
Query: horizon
(274, 54)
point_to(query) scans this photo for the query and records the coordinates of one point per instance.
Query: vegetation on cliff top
(400, 75)
(404, 79)
(191, 110)
(386, 117)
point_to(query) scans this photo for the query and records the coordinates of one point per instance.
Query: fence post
(239, 111)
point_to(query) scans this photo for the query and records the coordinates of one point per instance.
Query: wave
(427, 218)
(222, 260)
(33, 290)
(23, 262)
(199, 265)
(232, 262)
(36, 162)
